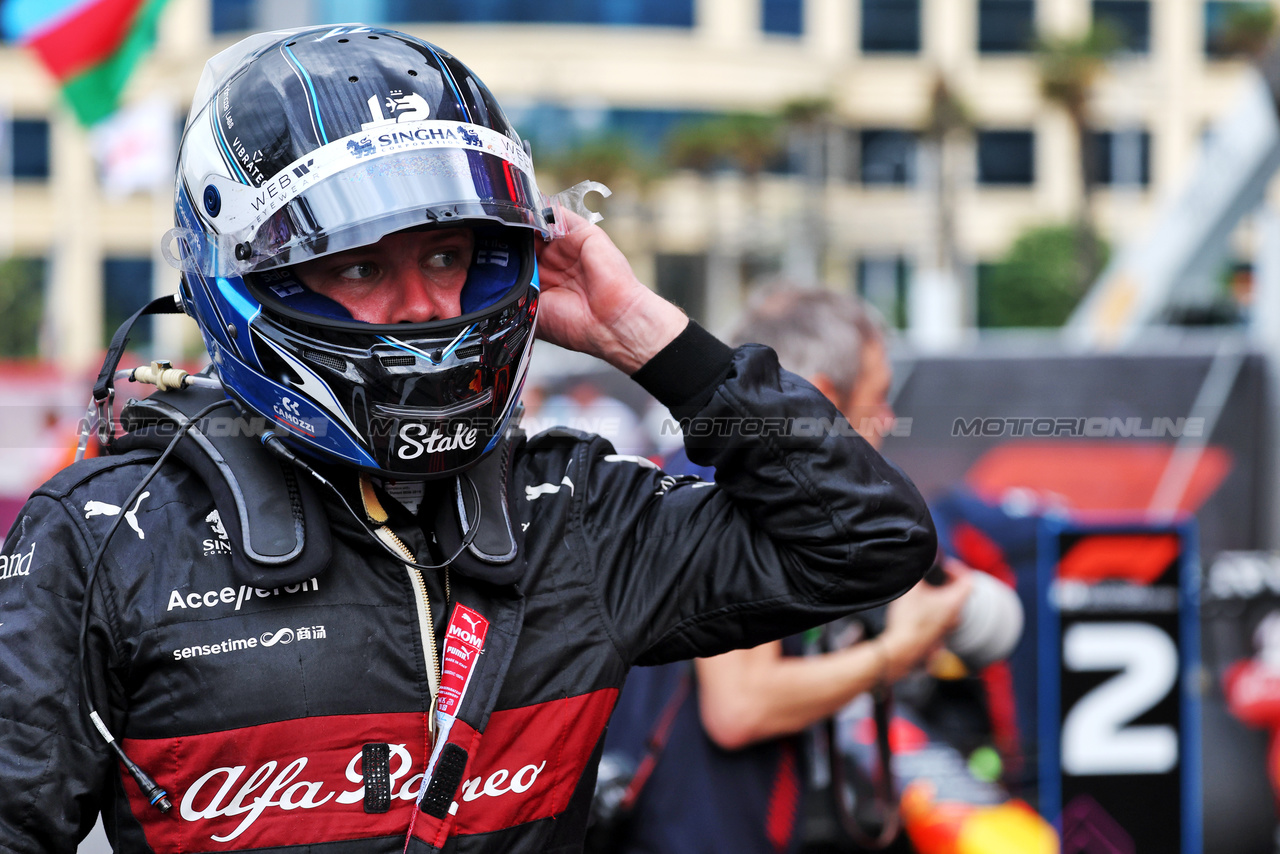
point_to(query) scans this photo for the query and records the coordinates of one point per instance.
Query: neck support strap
(275, 521)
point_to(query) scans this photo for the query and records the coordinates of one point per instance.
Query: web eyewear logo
(1096, 427)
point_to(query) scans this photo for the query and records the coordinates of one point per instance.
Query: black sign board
(1119, 720)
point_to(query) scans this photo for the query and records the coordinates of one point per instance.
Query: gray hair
(813, 331)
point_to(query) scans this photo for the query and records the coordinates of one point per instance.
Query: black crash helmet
(304, 143)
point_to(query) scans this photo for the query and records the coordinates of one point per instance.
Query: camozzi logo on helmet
(416, 442)
(287, 409)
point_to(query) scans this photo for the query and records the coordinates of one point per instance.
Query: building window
(625, 136)
(1129, 19)
(890, 26)
(126, 287)
(1006, 26)
(30, 149)
(882, 282)
(647, 13)
(1122, 158)
(232, 16)
(887, 157)
(1234, 27)
(782, 17)
(820, 153)
(1006, 157)
(22, 305)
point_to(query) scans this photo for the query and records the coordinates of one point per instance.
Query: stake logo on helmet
(305, 143)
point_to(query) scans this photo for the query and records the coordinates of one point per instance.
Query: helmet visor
(499, 270)
(355, 190)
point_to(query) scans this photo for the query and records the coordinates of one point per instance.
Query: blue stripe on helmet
(238, 301)
(227, 156)
(313, 100)
(453, 84)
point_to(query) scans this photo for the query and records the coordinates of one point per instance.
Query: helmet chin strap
(376, 514)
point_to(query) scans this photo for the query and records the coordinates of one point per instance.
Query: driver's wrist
(649, 325)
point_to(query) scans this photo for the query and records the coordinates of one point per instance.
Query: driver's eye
(443, 259)
(357, 272)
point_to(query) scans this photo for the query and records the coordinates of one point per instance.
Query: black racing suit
(253, 707)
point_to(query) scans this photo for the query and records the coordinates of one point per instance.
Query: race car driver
(365, 250)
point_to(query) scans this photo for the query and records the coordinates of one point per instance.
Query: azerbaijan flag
(90, 46)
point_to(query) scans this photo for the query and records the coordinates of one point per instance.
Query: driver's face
(406, 277)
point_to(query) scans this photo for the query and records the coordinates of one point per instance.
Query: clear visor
(354, 191)
(498, 272)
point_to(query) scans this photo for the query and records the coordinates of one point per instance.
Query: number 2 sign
(1118, 647)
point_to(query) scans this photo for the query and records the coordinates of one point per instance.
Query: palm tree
(936, 309)
(1247, 30)
(1069, 68)
(612, 159)
(946, 123)
(808, 128)
(745, 141)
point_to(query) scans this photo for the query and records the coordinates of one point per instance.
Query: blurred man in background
(731, 775)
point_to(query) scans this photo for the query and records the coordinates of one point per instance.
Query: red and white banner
(463, 643)
(300, 782)
(285, 783)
